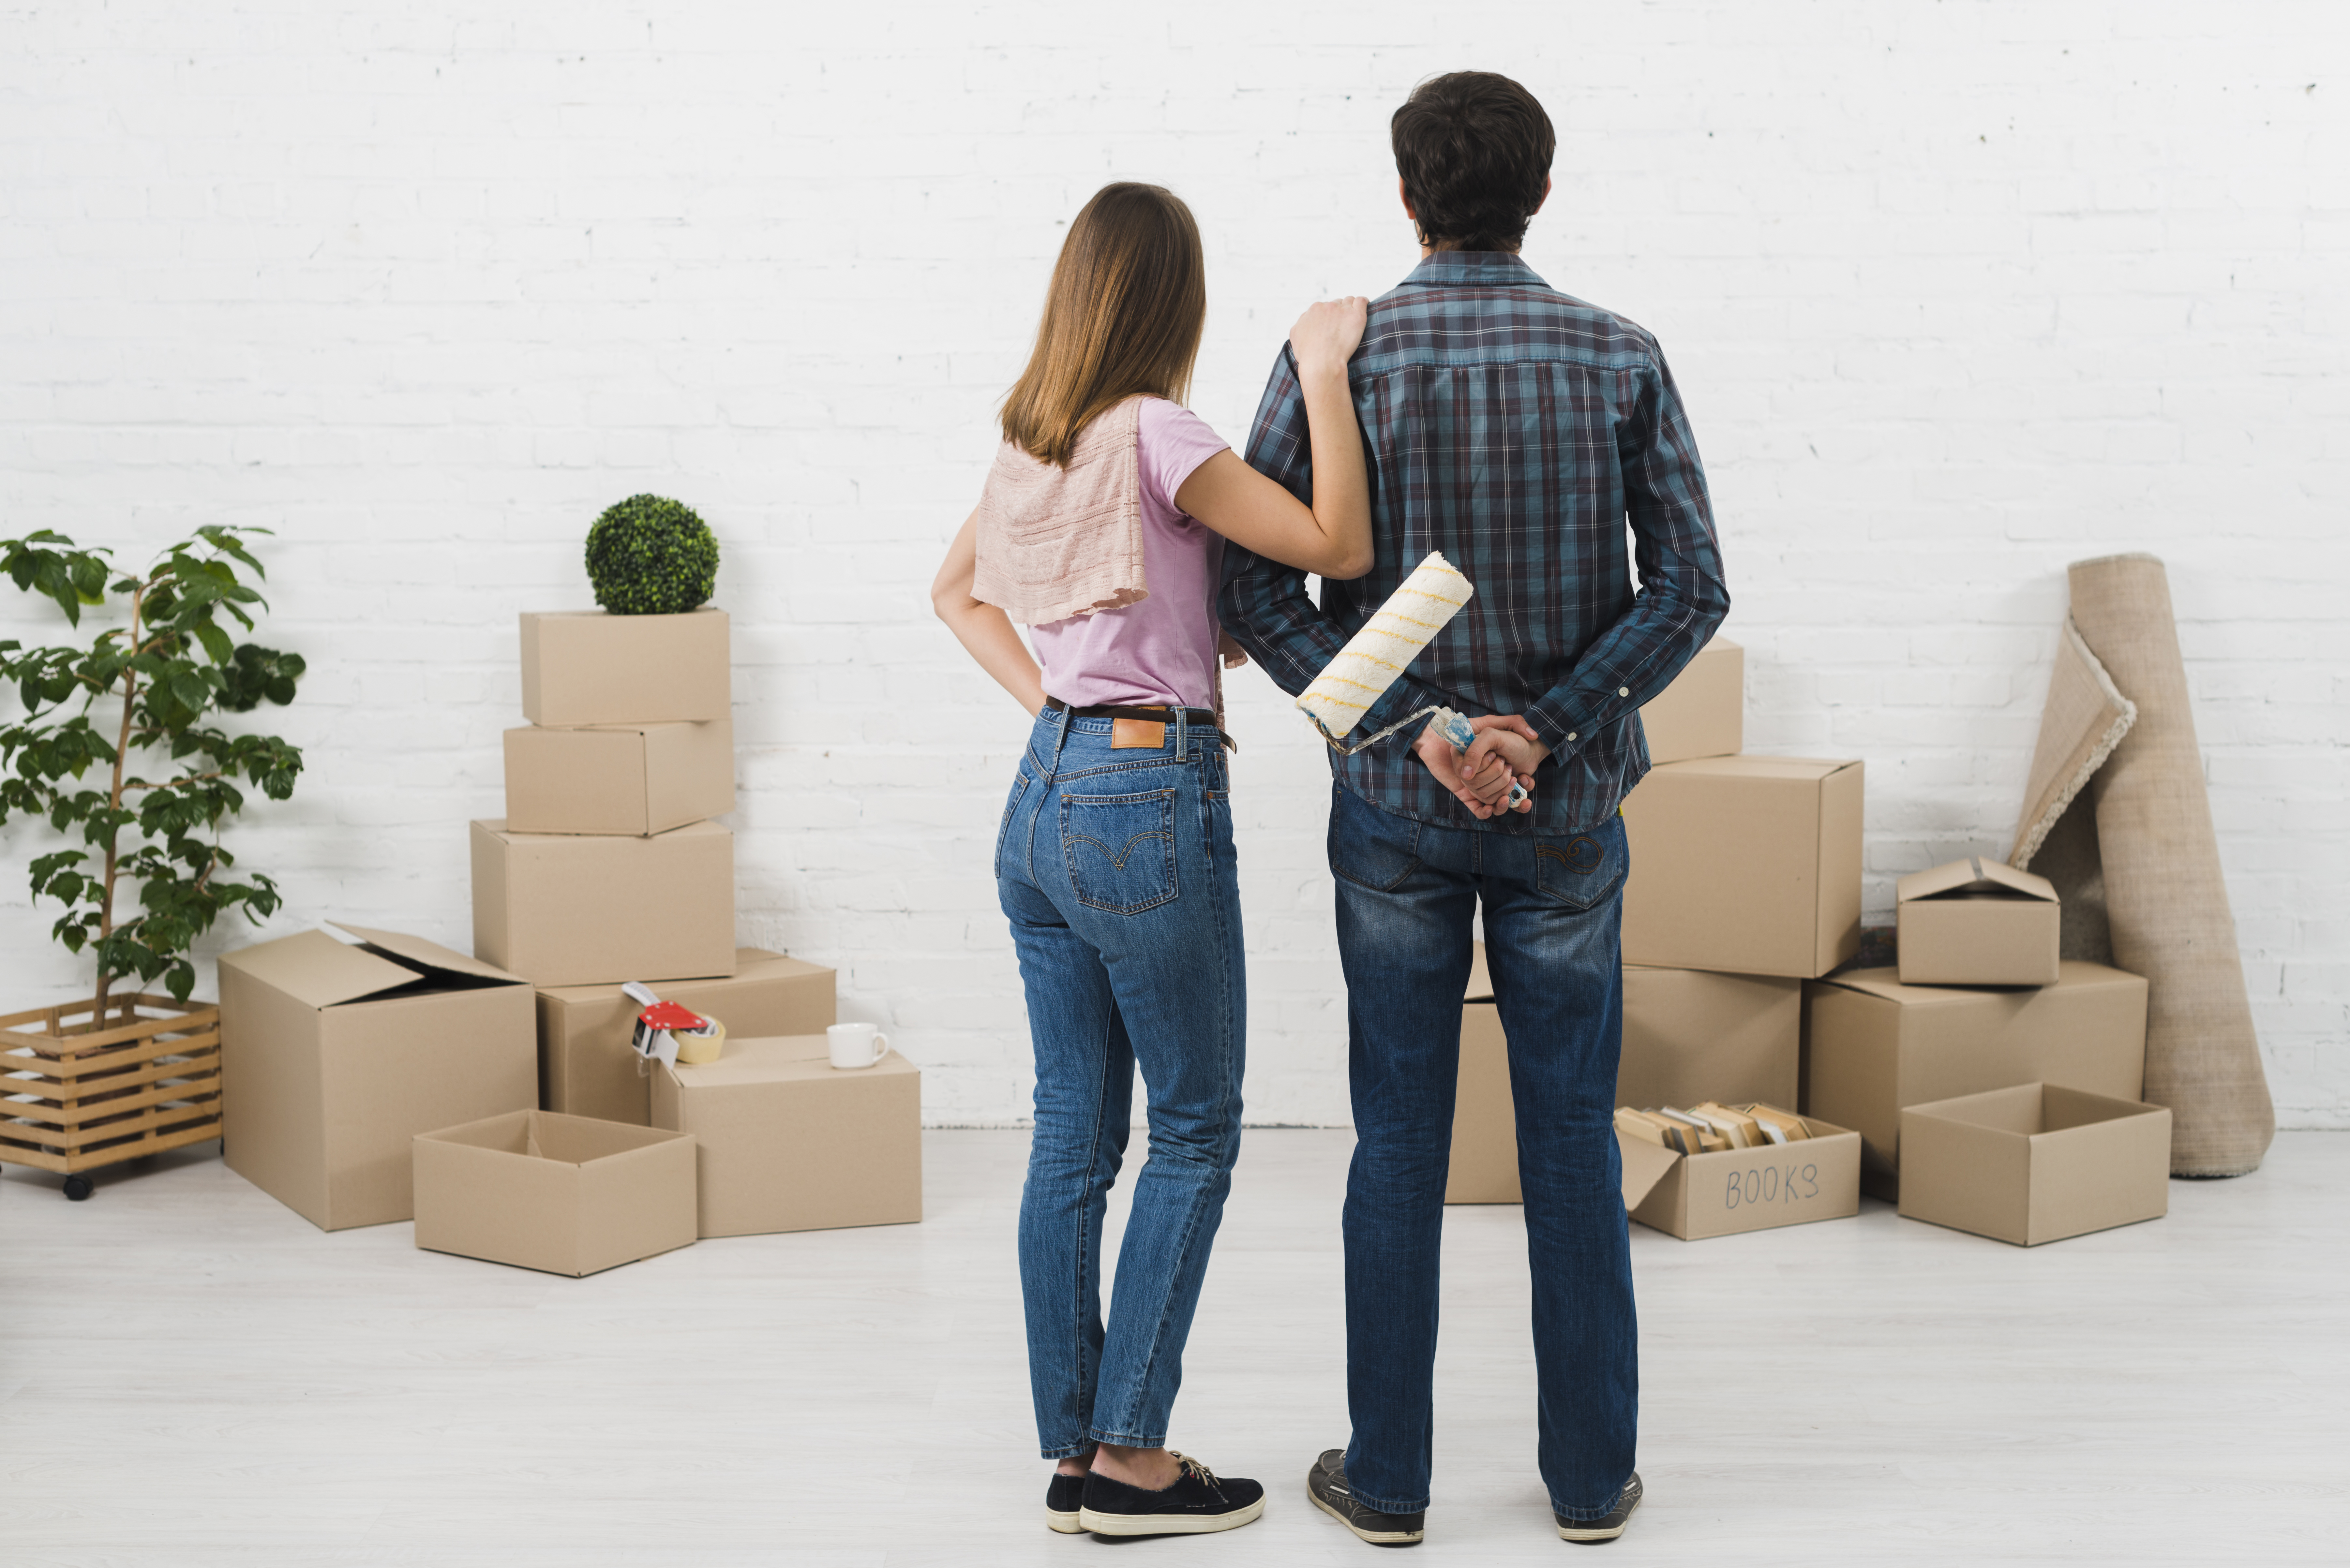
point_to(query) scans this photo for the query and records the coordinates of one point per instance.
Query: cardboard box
(1874, 1046)
(564, 1194)
(586, 667)
(583, 909)
(788, 1142)
(2036, 1162)
(334, 1057)
(1703, 712)
(585, 1065)
(1700, 1195)
(1745, 865)
(639, 779)
(1977, 922)
(1688, 1037)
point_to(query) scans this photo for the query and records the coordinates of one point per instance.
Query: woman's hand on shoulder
(1327, 334)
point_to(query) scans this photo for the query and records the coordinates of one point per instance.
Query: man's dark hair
(1474, 152)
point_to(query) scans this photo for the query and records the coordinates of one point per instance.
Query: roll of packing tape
(696, 1049)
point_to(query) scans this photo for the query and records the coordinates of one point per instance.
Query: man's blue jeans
(1407, 890)
(1114, 867)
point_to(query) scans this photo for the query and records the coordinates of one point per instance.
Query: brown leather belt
(1201, 716)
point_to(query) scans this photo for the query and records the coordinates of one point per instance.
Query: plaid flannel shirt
(1518, 430)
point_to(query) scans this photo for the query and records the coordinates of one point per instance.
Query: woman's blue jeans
(1114, 867)
(1407, 891)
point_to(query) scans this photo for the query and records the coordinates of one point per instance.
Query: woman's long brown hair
(1123, 314)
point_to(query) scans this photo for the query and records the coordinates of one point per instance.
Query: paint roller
(1375, 655)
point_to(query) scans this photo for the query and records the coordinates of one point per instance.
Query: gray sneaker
(1591, 1532)
(1326, 1483)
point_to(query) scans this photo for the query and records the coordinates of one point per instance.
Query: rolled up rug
(2120, 729)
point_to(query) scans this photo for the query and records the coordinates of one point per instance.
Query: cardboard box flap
(754, 1061)
(1750, 764)
(1645, 1165)
(1973, 876)
(428, 955)
(1886, 983)
(316, 971)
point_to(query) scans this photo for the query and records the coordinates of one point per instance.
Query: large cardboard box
(1689, 1035)
(586, 667)
(585, 1065)
(1745, 865)
(1703, 712)
(2036, 1162)
(1700, 1195)
(583, 909)
(1977, 922)
(1874, 1046)
(788, 1142)
(638, 779)
(334, 1057)
(564, 1194)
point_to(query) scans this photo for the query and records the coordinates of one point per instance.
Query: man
(1517, 431)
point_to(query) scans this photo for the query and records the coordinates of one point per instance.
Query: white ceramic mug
(856, 1045)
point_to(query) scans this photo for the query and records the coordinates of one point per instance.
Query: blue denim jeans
(1114, 867)
(1553, 916)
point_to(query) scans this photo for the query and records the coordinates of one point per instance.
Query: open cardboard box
(789, 1142)
(1703, 712)
(1695, 1196)
(565, 910)
(1688, 1035)
(335, 1057)
(639, 779)
(1745, 864)
(2036, 1162)
(1873, 1047)
(587, 1068)
(588, 667)
(1977, 922)
(567, 1195)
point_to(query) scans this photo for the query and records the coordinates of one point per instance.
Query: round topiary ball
(651, 555)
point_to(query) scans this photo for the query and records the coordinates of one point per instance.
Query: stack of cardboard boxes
(1744, 896)
(497, 1099)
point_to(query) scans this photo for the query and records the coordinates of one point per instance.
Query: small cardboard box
(586, 667)
(564, 1194)
(789, 1142)
(1700, 1195)
(1703, 712)
(334, 1057)
(586, 909)
(1874, 1046)
(1688, 1037)
(1745, 865)
(585, 1065)
(1977, 922)
(2036, 1162)
(639, 779)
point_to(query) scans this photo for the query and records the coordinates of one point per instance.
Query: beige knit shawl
(1061, 542)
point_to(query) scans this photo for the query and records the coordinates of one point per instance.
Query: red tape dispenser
(669, 1034)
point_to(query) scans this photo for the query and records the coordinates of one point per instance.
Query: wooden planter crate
(78, 1092)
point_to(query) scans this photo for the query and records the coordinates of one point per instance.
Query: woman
(1102, 527)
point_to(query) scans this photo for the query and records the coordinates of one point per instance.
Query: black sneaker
(1326, 1483)
(1063, 1499)
(1196, 1504)
(1590, 1532)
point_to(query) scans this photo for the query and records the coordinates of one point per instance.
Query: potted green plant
(131, 1072)
(651, 555)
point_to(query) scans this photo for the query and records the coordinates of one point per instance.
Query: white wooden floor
(190, 1376)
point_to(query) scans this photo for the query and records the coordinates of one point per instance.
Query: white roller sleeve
(1390, 639)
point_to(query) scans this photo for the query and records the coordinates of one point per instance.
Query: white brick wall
(1957, 292)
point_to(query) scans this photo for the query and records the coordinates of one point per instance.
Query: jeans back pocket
(1120, 849)
(1581, 871)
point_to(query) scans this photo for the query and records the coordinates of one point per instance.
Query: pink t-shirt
(1162, 651)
